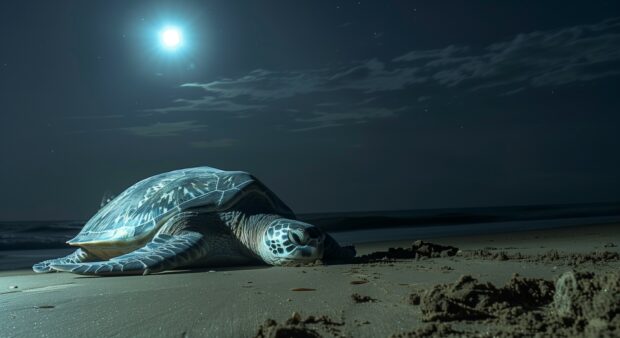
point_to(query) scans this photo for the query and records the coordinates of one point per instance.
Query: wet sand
(377, 296)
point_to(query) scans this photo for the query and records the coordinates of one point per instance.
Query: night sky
(335, 105)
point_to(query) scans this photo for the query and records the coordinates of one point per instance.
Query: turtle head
(287, 241)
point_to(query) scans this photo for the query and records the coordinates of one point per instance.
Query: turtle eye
(295, 238)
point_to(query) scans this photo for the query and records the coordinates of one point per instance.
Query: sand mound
(467, 299)
(418, 250)
(272, 330)
(577, 304)
(296, 326)
(588, 301)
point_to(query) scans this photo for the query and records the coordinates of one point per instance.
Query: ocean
(365, 226)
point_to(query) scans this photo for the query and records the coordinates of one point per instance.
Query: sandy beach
(411, 292)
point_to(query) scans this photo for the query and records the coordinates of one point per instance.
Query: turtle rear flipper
(78, 256)
(161, 253)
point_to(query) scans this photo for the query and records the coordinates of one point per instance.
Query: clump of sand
(576, 304)
(418, 250)
(297, 326)
(357, 298)
(588, 301)
(431, 330)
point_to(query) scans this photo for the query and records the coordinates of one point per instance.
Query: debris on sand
(551, 256)
(362, 299)
(303, 289)
(418, 250)
(296, 326)
(446, 268)
(430, 330)
(431, 250)
(44, 306)
(358, 282)
(317, 262)
(577, 304)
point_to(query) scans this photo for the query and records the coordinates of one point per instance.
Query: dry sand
(420, 290)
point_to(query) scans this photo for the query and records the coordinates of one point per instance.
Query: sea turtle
(190, 218)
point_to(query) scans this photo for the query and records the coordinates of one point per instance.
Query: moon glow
(171, 38)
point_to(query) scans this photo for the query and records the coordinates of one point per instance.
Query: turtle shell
(145, 206)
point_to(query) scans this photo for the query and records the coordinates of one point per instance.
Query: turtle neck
(249, 229)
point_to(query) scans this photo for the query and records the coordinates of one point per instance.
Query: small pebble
(211, 270)
(44, 306)
(362, 299)
(13, 287)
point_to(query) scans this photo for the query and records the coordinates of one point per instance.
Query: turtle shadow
(221, 269)
(212, 269)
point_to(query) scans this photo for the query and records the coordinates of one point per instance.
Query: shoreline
(23, 259)
(354, 300)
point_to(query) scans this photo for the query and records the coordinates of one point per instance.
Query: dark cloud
(556, 57)
(540, 58)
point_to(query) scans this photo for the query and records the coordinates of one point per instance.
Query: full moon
(170, 37)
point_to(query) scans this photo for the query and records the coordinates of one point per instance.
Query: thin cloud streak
(214, 144)
(163, 129)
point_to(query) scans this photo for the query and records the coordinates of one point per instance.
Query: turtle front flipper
(161, 253)
(78, 256)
